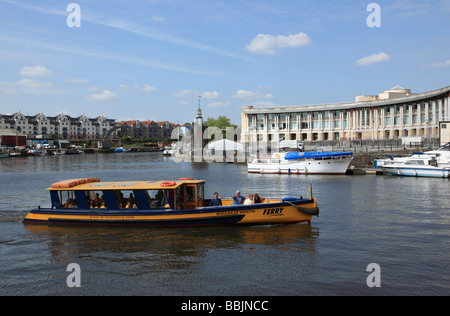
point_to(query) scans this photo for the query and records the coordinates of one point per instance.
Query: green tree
(221, 122)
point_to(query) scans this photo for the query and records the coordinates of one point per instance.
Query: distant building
(61, 126)
(393, 114)
(146, 129)
(11, 138)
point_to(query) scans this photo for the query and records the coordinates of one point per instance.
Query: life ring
(181, 179)
(168, 184)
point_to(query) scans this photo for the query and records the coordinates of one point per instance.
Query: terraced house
(392, 114)
(61, 126)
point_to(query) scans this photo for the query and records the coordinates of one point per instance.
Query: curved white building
(392, 114)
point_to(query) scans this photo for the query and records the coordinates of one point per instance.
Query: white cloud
(440, 65)
(30, 86)
(210, 95)
(373, 59)
(28, 83)
(143, 88)
(268, 44)
(185, 93)
(241, 94)
(77, 80)
(246, 94)
(218, 104)
(147, 88)
(195, 94)
(35, 71)
(104, 95)
(157, 18)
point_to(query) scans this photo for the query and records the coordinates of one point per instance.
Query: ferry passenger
(161, 199)
(249, 200)
(97, 200)
(122, 200)
(216, 201)
(237, 199)
(70, 203)
(132, 199)
(103, 205)
(257, 198)
(159, 196)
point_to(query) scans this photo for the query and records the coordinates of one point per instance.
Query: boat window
(180, 197)
(414, 162)
(125, 199)
(96, 199)
(200, 194)
(190, 193)
(68, 199)
(157, 198)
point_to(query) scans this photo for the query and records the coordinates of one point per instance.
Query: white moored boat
(313, 162)
(434, 163)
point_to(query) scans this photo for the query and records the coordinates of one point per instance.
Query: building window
(406, 119)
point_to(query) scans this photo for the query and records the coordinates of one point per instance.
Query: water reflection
(187, 261)
(173, 242)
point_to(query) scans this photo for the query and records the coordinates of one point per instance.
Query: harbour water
(401, 224)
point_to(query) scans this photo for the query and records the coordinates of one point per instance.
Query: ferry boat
(434, 163)
(312, 162)
(160, 204)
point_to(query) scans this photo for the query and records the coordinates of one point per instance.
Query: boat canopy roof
(94, 184)
(315, 154)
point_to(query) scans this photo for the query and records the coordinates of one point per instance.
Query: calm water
(402, 224)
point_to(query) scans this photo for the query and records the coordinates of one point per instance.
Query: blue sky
(151, 59)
